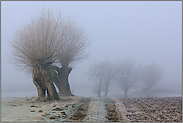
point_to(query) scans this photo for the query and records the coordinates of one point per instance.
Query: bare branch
(75, 42)
(38, 41)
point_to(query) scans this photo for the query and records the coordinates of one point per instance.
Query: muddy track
(81, 111)
(113, 115)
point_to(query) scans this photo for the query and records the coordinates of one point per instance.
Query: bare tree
(126, 75)
(103, 73)
(35, 47)
(150, 75)
(95, 73)
(73, 50)
(108, 75)
(97, 87)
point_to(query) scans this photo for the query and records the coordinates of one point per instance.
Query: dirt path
(113, 114)
(81, 111)
(73, 109)
(96, 111)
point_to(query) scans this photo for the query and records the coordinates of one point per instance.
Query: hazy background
(146, 31)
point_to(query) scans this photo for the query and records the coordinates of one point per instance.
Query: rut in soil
(81, 111)
(112, 114)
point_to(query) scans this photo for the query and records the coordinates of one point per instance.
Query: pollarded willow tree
(73, 50)
(36, 47)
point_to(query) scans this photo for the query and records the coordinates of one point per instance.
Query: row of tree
(125, 74)
(45, 47)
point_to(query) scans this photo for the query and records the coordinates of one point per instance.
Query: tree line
(48, 45)
(45, 48)
(125, 74)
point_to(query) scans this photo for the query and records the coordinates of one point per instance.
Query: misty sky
(146, 31)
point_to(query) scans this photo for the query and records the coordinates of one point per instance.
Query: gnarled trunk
(41, 91)
(64, 74)
(57, 81)
(43, 82)
(52, 93)
(61, 80)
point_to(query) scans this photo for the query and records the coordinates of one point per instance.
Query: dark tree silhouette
(44, 43)
(73, 50)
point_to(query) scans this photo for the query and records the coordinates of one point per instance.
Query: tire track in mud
(113, 115)
(81, 111)
(112, 112)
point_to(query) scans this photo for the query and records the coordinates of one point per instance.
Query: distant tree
(150, 75)
(108, 75)
(126, 75)
(103, 74)
(95, 73)
(97, 87)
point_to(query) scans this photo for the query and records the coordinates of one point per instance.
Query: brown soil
(81, 111)
(167, 109)
(112, 113)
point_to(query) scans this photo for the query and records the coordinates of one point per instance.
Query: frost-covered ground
(25, 109)
(93, 109)
(96, 111)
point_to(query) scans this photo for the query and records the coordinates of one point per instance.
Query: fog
(146, 31)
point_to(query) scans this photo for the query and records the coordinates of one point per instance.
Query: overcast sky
(146, 31)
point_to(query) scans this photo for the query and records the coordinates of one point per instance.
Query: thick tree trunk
(43, 82)
(57, 81)
(41, 91)
(61, 80)
(48, 78)
(64, 74)
(52, 93)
